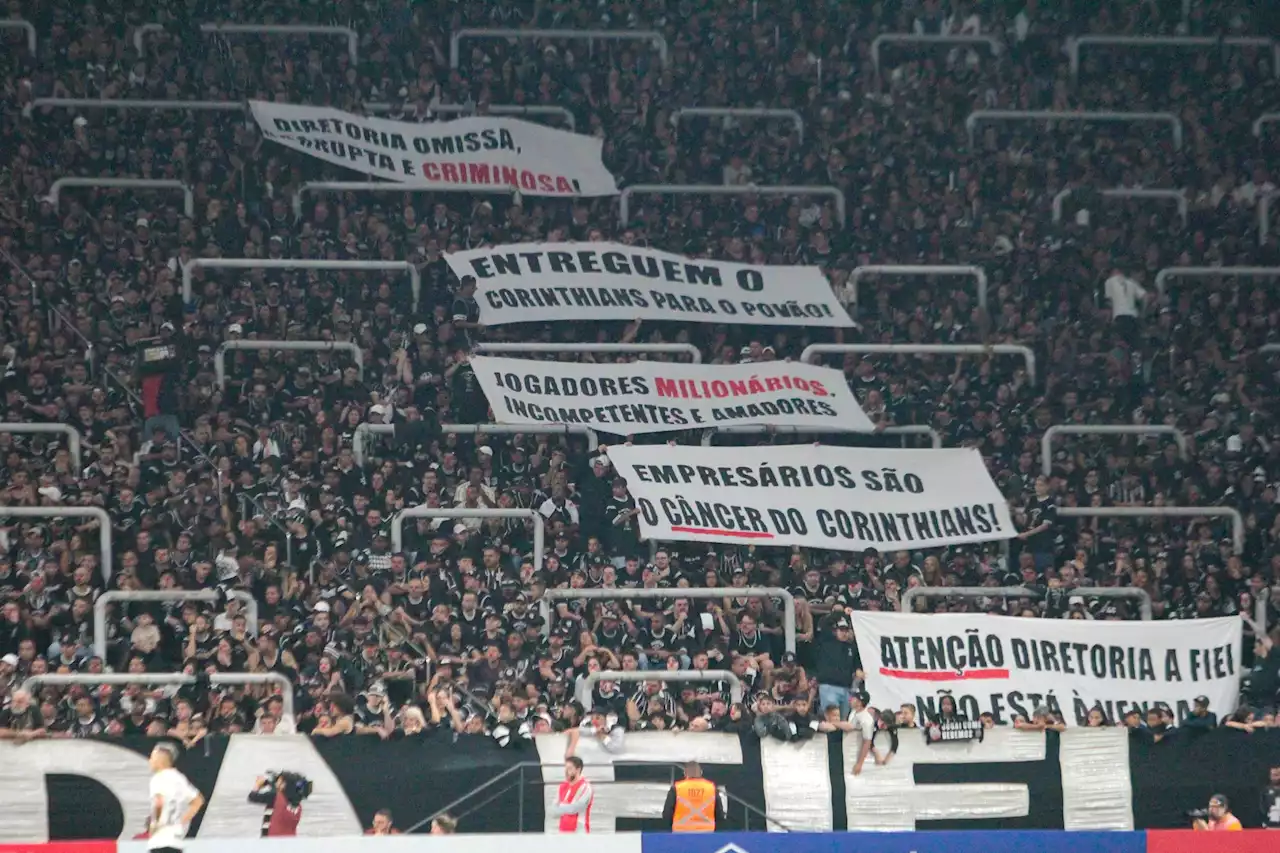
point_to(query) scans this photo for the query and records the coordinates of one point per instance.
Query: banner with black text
(547, 282)
(1008, 666)
(842, 498)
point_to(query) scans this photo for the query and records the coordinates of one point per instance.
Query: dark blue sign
(897, 842)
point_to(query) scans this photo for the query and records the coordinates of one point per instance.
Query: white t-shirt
(177, 794)
(864, 723)
(1124, 294)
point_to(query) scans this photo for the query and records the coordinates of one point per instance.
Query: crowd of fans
(253, 487)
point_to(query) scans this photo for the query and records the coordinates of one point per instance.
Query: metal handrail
(492, 109)
(977, 273)
(1046, 441)
(205, 595)
(1264, 212)
(1075, 43)
(159, 679)
(132, 104)
(666, 676)
(415, 278)
(1212, 272)
(220, 355)
(106, 549)
(977, 116)
(708, 437)
(1179, 196)
(909, 596)
(762, 592)
(26, 26)
(652, 36)
(996, 45)
(695, 354)
(744, 112)
(624, 198)
(74, 440)
(1024, 353)
(1264, 119)
(539, 531)
(1237, 520)
(390, 187)
(188, 196)
(351, 36)
(360, 436)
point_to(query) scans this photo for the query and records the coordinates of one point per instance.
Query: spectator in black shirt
(465, 312)
(1040, 537)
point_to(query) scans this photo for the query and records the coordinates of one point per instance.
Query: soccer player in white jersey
(174, 801)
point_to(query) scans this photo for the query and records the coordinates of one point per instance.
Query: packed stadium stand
(253, 482)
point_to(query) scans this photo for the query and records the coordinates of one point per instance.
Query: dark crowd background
(254, 487)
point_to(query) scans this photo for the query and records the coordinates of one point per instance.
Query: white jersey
(176, 795)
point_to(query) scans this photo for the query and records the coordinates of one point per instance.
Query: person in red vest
(573, 804)
(282, 794)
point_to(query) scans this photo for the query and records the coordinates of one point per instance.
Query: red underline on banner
(963, 675)
(715, 531)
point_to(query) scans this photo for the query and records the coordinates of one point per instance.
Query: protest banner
(484, 151)
(547, 282)
(1009, 666)
(842, 498)
(649, 396)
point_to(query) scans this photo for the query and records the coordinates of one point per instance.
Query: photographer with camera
(282, 793)
(1216, 818)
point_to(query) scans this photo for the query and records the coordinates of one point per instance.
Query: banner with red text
(652, 396)
(479, 152)
(1008, 666)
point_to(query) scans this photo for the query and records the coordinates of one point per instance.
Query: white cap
(599, 460)
(50, 492)
(459, 528)
(321, 607)
(485, 450)
(142, 222)
(377, 410)
(235, 329)
(420, 329)
(79, 121)
(10, 659)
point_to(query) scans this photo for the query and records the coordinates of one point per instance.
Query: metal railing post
(740, 112)
(1167, 273)
(1237, 520)
(652, 36)
(1264, 215)
(708, 437)
(1025, 353)
(1178, 196)
(133, 104)
(1046, 441)
(666, 676)
(695, 354)
(762, 592)
(1266, 118)
(993, 44)
(516, 110)
(359, 437)
(188, 197)
(74, 440)
(977, 116)
(539, 531)
(106, 550)
(202, 595)
(624, 198)
(27, 27)
(189, 268)
(909, 596)
(1076, 43)
(977, 273)
(161, 679)
(220, 355)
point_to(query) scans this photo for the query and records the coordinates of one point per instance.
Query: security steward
(694, 804)
(1219, 817)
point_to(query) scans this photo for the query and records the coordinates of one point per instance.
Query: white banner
(1009, 665)
(845, 499)
(650, 396)
(543, 282)
(481, 151)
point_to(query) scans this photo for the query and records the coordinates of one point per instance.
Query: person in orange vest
(1218, 817)
(573, 801)
(693, 804)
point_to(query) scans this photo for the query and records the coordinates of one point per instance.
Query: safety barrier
(100, 632)
(74, 441)
(763, 592)
(1077, 43)
(1046, 441)
(188, 197)
(539, 531)
(1025, 353)
(106, 551)
(977, 116)
(708, 437)
(993, 44)
(976, 273)
(1167, 273)
(975, 592)
(220, 356)
(351, 36)
(1264, 214)
(624, 198)
(160, 679)
(518, 110)
(695, 354)
(1178, 196)
(26, 26)
(651, 36)
(665, 676)
(415, 278)
(363, 431)
(389, 187)
(1237, 520)
(740, 112)
(133, 104)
